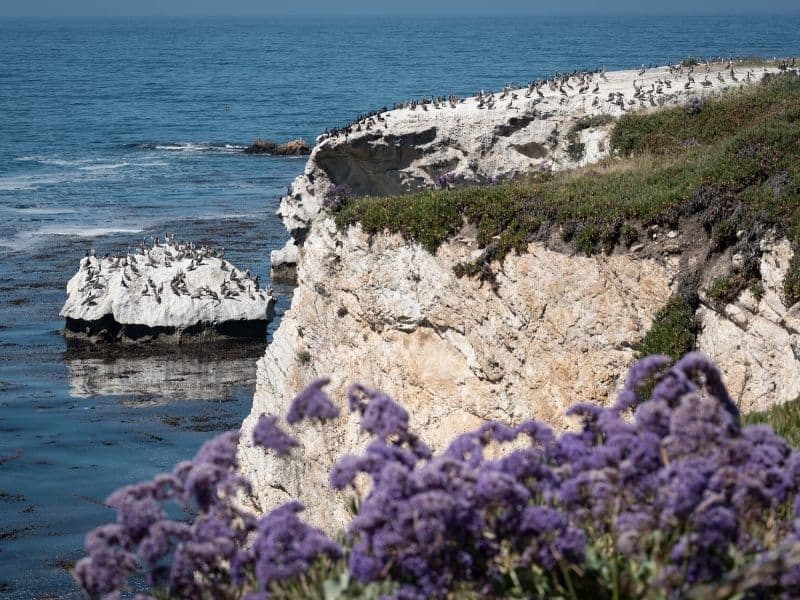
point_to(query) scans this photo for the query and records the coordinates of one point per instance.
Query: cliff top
(732, 161)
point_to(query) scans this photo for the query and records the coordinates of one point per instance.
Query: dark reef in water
(291, 148)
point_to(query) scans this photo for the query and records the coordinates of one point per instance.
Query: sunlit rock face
(170, 292)
(386, 313)
(756, 341)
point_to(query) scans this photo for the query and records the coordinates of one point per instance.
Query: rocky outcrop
(292, 148)
(170, 292)
(756, 341)
(283, 263)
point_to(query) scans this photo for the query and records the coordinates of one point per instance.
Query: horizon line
(393, 14)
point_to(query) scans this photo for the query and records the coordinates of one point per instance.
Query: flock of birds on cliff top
(572, 84)
(133, 268)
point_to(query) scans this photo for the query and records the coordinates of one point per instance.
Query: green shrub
(723, 234)
(587, 239)
(590, 121)
(726, 288)
(575, 149)
(784, 419)
(791, 282)
(757, 289)
(674, 330)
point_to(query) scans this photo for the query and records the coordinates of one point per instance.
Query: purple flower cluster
(337, 196)
(672, 478)
(446, 180)
(664, 490)
(185, 558)
(221, 553)
(312, 403)
(283, 548)
(268, 434)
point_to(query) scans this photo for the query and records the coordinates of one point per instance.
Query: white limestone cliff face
(388, 314)
(756, 341)
(559, 329)
(166, 286)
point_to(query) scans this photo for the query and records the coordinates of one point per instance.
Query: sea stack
(169, 292)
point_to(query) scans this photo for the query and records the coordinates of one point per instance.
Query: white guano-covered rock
(166, 286)
(493, 135)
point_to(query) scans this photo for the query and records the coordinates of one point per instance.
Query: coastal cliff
(551, 329)
(492, 136)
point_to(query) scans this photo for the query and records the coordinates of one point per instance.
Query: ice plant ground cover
(665, 494)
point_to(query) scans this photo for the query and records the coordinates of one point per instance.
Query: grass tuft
(784, 420)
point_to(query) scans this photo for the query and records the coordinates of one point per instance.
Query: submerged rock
(170, 292)
(291, 148)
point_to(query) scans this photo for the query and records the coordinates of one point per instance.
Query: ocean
(114, 131)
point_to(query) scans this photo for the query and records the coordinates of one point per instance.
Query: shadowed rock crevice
(372, 164)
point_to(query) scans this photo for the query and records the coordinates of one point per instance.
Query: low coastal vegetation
(575, 148)
(783, 418)
(674, 328)
(666, 494)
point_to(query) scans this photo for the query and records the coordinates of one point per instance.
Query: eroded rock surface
(291, 148)
(756, 341)
(388, 314)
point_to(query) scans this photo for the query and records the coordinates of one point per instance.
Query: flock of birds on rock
(577, 83)
(134, 265)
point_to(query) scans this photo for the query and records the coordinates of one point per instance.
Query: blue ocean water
(115, 130)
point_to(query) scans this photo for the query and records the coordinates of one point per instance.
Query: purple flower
(268, 435)
(642, 372)
(312, 403)
(446, 180)
(285, 547)
(337, 196)
(109, 565)
(380, 415)
(345, 471)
